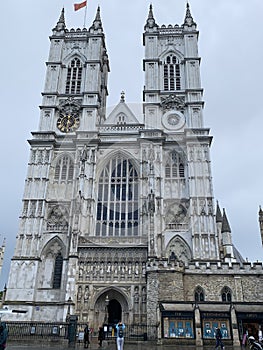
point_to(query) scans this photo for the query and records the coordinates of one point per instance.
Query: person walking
(86, 336)
(120, 335)
(218, 335)
(101, 336)
(3, 335)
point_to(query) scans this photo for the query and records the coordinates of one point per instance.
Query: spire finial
(97, 24)
(98, 14)
(225, 224)
(150, 11)
(188, 21)
(218, 213)
(61, 22)
(150, 23)
(62, 15)
(122, 96)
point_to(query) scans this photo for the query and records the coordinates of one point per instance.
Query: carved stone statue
(151, 202)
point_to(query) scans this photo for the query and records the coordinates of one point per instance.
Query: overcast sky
(231, 48)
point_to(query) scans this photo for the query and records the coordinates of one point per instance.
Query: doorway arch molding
(113, 293)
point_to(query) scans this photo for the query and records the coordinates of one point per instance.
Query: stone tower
(108, 198)
(44, 265)
(173, 105)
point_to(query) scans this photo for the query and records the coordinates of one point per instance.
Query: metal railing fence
(36, 330)
(54, 331)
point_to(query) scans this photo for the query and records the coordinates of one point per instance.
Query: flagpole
(85, 14)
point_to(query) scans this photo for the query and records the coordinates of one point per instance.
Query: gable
(121, 114)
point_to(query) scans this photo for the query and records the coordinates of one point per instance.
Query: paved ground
(109, 346)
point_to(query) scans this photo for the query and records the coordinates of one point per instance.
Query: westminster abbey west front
(119, 219)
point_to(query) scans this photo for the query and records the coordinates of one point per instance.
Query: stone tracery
(178, 250)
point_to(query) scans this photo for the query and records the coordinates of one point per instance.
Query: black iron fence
(39, 331)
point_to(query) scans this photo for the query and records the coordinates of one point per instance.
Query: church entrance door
(114, 312)
(110, 307)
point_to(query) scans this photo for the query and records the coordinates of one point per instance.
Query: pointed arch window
(57, 271)
(226, 295)
(74, 74)
(118, 196)
(199, 294)
(64, 169)
(174, 167)
(172, 73)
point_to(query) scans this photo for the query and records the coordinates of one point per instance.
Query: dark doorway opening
(114, 310)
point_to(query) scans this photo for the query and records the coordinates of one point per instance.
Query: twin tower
(118, 207)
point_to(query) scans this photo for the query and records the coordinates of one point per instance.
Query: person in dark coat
(101, 336)
(3, 335)
(86, 336)
(219, 339)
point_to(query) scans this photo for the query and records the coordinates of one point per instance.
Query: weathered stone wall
(171, 286)
(178, 284)
(153, 289)
(245, 281)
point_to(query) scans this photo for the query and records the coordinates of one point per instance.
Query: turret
(172, 75)
(219, 220)
(97, 24)
(150, 22)
(228, 252)
(76, 78)
(61, 26)
(98, 67)
(219, 217)
(188, 21)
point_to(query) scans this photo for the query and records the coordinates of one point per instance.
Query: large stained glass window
(118, 206)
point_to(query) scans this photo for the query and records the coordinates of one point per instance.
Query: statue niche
(176, 217)
(57, 219)
(178, 250)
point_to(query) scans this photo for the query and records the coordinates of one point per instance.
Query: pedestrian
(219, 339)
(3, 335)
(120, 335)
(244, 340)
(86, 336)
(101, 336)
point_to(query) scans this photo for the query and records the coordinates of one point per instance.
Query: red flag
(80, 5)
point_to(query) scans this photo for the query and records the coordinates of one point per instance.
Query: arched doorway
(110, 307)
(114, 312)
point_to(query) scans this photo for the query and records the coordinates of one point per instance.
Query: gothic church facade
(118, 208)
